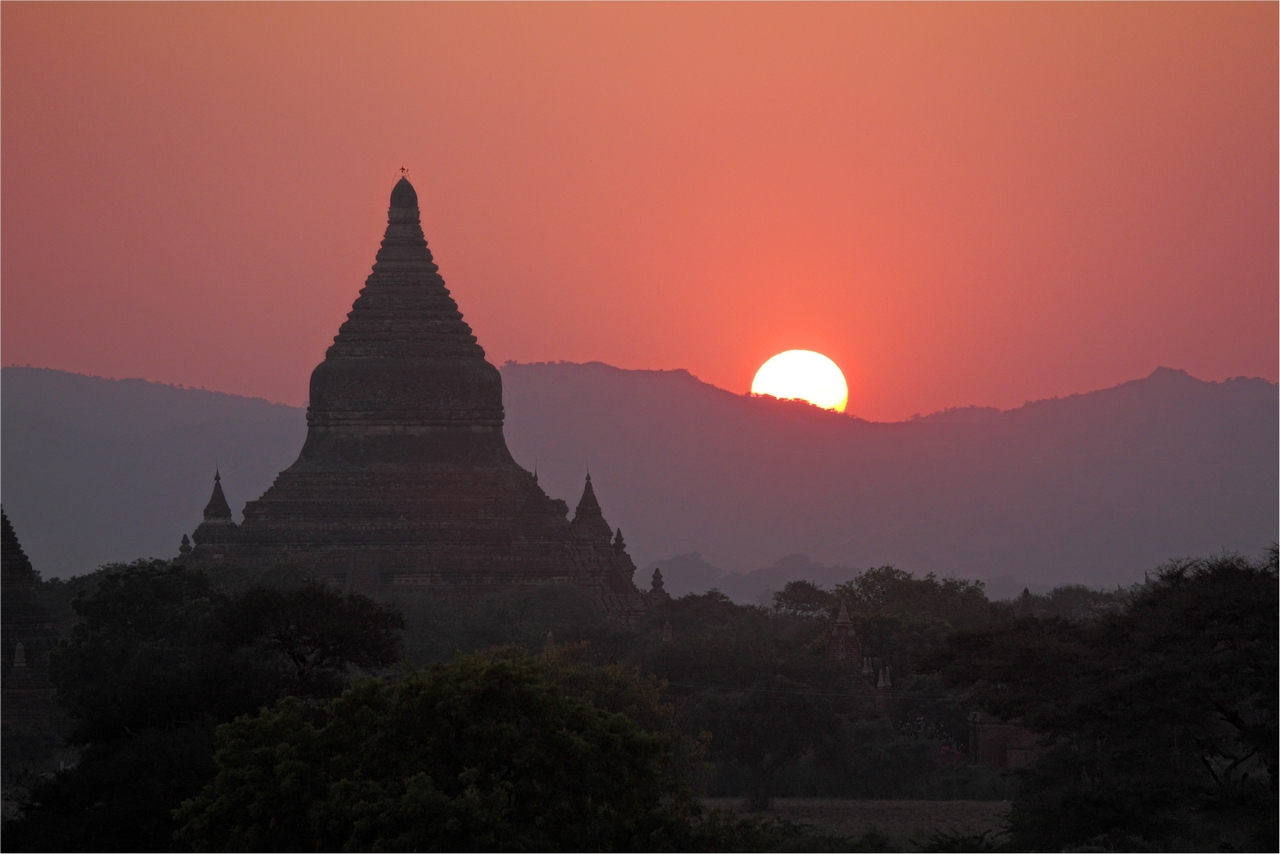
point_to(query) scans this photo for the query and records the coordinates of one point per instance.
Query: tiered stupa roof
(27, 634)
(405, 477)
(404, 362)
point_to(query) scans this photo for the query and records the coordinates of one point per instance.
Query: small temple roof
(843, 618)
(589, 516)
(18, 571)
(217, 508)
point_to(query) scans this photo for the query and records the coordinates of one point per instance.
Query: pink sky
(959, 204)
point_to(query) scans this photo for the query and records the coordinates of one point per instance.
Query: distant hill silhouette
(98, 470)
(1095, 488)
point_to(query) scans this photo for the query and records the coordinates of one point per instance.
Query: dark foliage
(437, 629)
(802, 598)
(488, 752)
(1156, 706)
(888, 590)
(764, 729)
(485, 753)
(317, 630)
(1072, 601)
(160, 657)
(1159, 722)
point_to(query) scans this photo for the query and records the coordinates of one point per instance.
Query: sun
(803, 375)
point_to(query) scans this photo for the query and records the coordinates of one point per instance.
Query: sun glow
(803, 375)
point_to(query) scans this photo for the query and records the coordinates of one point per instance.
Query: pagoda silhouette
(405, 479)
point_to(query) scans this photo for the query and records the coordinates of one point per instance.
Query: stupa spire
(404, 363)
(657, 588)
(843, 645)
(218, 528)
(18, 572)
(217, 508)
(588, 518)
(404, 246)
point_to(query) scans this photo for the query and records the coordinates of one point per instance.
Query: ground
(908, 823)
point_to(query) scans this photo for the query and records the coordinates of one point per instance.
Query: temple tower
(843, 645)
(218, 528)
(29, 634)
(657, 588)
(405, 478)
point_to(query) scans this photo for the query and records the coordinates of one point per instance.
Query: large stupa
(405, 479)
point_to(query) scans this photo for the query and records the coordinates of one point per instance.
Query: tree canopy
(161, 655)
(1158, 722)
(483, 753)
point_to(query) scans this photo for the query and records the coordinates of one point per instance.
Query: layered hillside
(1095, 487)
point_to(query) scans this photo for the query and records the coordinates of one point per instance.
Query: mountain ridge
(1135, 474)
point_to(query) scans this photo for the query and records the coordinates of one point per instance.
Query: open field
(907, 823)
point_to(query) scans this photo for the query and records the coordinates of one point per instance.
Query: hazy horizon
(849, 414)
(103, 469)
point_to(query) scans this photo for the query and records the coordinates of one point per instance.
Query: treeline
(227, 710)
(1157, 720)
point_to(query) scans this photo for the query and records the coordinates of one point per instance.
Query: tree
(484, 753)
(765, 728)
(803, 598)
(162, 655)
(1073, 601)
(889, 590)
(1159, 722)
(625, 689)
(319, 631)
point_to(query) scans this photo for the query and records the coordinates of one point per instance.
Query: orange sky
(960, 204)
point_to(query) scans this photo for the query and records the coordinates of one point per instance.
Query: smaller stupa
(843, 645)
(29, 634)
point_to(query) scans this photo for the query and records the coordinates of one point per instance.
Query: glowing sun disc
(803, 375)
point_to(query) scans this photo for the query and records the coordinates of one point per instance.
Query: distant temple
(843, 644)
(29, 634)
(405, 479)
